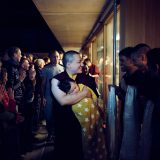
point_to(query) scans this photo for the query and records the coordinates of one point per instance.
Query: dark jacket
(13, 80)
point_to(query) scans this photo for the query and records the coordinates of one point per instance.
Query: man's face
(18, 55)
(30, 58)
(125, 63)
(55, 58)
(75, 66)
(25, 65)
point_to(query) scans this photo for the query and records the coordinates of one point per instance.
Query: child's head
(68, 86)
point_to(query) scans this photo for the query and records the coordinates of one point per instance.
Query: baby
(69, 86)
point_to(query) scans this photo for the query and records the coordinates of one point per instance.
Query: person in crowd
(23, 71)
(85, 68)
(9, 120)
(48, 72)
(154, 67)
(24, 65)
(127, 71)
(7, 97)
(39, 98)
(139, 56)
(127, 67)
(147, 84)
(14, 78)
(27, 107)
(144, 79)
(68, 137)
(46, 60)
(30, 58)
(16, 82)
(87, 112)
(133, 62)
(84, 56)
(32, 67)
(29, 94)
(153, 57)
(39, 63)
(93, 70)
(60, 57)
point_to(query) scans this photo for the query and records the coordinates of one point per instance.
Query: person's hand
(10, 93)
(22, 76)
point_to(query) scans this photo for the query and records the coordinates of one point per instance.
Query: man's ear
(68, 65)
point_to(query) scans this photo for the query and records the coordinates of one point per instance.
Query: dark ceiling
(22, 25)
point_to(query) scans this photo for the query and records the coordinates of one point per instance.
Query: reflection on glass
(109, 52)
(105, 62)
(100, 47)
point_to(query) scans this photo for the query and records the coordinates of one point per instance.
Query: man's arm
(67, 99)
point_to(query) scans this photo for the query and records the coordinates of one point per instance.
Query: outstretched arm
(67, 99)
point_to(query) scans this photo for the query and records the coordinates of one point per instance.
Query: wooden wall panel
(153, 23)
(140, 22)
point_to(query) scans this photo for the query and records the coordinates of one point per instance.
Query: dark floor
(41, 148)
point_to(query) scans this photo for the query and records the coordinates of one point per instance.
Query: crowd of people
(64, 93)
(30, 92)
(140, 65)
(24, 100)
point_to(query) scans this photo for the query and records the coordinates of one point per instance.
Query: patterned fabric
(92, 132)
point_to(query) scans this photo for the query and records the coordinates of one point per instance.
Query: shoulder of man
(61, 76)
(60, 67)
